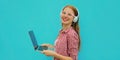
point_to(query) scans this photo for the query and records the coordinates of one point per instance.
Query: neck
(64, 27)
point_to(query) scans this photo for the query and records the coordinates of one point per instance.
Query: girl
(67, 43)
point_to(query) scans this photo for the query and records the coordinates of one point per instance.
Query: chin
(65, 23)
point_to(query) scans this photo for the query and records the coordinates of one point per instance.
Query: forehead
(68, 10)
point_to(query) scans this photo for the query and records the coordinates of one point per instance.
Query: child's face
(67, 16)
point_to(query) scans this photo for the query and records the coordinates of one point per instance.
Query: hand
(49, 53)
(48, 45)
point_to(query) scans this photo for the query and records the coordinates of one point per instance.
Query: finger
(44, 45)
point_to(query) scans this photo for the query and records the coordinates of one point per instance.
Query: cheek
(71, 18)
(61, 16)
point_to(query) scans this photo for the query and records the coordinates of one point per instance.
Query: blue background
(99, 28)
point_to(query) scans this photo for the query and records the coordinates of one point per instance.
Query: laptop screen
(33, 39)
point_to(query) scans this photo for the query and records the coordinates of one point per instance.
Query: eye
(64, 12)
(69, 14)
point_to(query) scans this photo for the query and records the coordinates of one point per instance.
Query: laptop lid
(33, 39)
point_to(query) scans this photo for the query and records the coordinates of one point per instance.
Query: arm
(73, 41)
(56, 55)
(48, 45)
(62, 57)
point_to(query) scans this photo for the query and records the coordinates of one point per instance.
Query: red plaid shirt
(66, 43)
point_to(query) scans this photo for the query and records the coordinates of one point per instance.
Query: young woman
(67, 43)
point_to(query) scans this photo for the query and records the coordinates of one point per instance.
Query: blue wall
(99, 28)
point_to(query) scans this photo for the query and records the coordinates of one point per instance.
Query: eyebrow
(68, 13)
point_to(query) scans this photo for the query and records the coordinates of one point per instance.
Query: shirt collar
(65, 31)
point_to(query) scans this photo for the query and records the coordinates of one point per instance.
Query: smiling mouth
(64, 19)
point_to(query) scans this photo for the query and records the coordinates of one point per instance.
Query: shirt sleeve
(73, 45)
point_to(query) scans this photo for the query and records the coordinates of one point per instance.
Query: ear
(75, 19)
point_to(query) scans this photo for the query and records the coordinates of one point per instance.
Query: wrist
(55, 54)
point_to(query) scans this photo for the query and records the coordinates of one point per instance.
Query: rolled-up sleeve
(73, 45)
